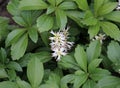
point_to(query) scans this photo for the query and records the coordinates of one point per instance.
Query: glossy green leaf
(61, 18)
(45, 23)
(49, 86)
(109, 82)
(8, 84)
(14, 36)
(83, 5)
(97, 5)
(67, 5)
(18, 49)
(94, 50)
(113, 16)
(50, 9)
(59, 1)
(93, 30)
(114, 51)
(3, 27)
(45, 38)
(52, 82)
(19, 20)
(44, 56)
(32, 5)
(111, 29)
(35, 72)
(66, 79)
(33, 34)
(52, 2)
(14, 65)
(94, 64)
(3, 73)
(76, 16)
(12, 74)
(68, 62)
(89, 84)
(81, 57)
(23, 84)
(3, 56)
(79, 72)
(89, 19)
(99, 73)
(107, 8)
(12, 7)
(79, 80)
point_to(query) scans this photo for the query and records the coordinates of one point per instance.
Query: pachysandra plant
(38, 50)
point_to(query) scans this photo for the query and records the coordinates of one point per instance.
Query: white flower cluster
(118, 7)
(60, 44)
(100, 37)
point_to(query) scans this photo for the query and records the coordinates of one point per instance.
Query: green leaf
(107, 8)
(83, 5)
(93, 30)
(114, 51)
(94, 50)
(3, 73)
(14, 36)
(12, 74)
(58, 1)
(68, 62)
(76, 16)
(67, 5)
(111, 29)
(89, 84)
(12, 7)
(113, 16)
(98, 74)
(52, 82)
(23, 84)
(61, 18)
(67, 79)
(45, 38)
(97, 5)
(3, 56)
(29, 17)
(8, 84)
(35, 72)
(50, 9)
(49, 86)
(44, 56)
(18, 49)
(89, 19)
(32, 5)
(19, 20)
(81, 57)
(14, 65)
(33, 34)
(79, 80)
(45, 23)
(94, 64)
(52, 2)
(109, 82)
(3, 27)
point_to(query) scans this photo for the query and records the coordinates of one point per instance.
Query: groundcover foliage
(60, 44)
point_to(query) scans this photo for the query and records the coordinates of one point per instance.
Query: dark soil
(3, 8)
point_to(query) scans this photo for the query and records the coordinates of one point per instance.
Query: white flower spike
(118, 7)
(60, 44)
(100, 37)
